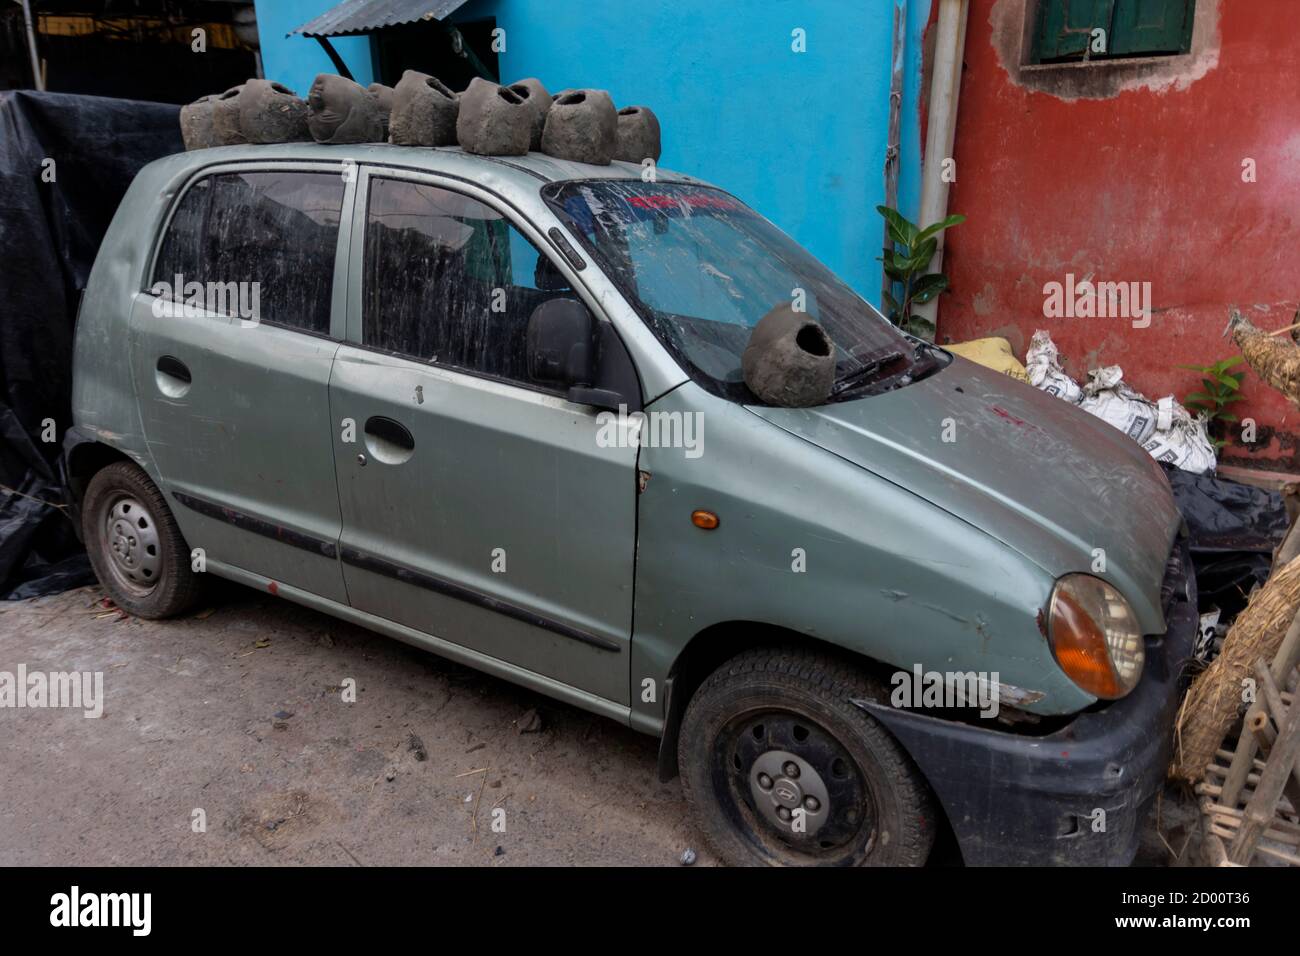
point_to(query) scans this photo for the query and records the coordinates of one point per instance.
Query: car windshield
(702, 268)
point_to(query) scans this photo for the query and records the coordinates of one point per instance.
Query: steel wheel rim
(769, 744)
(131, 546)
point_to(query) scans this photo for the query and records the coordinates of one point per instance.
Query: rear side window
(449, 280)
(256, 242)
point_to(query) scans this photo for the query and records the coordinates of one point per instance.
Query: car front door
(231, 353)
(478, 506)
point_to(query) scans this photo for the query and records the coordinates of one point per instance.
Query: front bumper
(1013, 799)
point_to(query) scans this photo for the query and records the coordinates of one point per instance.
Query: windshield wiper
(859, 375)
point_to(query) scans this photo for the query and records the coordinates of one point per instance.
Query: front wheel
(135, 547)
(779, 768)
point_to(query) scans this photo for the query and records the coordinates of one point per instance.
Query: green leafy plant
(1219, 389)
(906, 259)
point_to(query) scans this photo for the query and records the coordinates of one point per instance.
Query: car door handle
(395, 433)
(172, 377)
(388, 441)
(171, 365)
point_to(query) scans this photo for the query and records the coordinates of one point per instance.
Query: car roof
(525, 171)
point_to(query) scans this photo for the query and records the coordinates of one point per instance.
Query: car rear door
(231, 351)
(477, 506)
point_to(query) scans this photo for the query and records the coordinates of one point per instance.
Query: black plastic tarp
(65, 162)
(1233, 529)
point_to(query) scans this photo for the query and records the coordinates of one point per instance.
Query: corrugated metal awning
(363, 16)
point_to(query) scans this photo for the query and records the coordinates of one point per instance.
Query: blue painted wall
(295, 61)
(799, 136)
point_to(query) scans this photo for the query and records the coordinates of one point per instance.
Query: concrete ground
(237, 712)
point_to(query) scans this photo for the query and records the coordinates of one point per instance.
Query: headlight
(1095, 636)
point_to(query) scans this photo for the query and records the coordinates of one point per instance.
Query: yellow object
(704, 519)
(994, 353)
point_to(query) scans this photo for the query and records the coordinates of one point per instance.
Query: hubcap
(789, 792)
(131, 543)
(786, 775)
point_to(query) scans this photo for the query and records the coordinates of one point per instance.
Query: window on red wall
(1073, 30)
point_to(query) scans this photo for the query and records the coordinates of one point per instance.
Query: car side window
(260, 242)
(449, 280)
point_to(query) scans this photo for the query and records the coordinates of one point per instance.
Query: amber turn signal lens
(1095, 636)
(704, 519)
(1081, 648)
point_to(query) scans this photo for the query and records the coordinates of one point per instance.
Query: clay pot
(493, 121)
(638, 135)
(272, 113)
(582, 126)
(196, 123)
(341, 111)
(383, 97)
(789, 360)
(225, 118)
(538, 100)
(424, 112)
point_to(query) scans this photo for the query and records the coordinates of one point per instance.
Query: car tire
(775, 729)
(135, 547)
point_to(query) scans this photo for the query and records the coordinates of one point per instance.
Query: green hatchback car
(495, 408)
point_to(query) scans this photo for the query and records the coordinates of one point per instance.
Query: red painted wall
(1144, 184)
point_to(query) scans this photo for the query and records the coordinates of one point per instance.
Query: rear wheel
(779, 767)
(135, 547)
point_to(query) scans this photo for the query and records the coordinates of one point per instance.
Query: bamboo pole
(1261, 725)
(1262, 809)
(1288, 654)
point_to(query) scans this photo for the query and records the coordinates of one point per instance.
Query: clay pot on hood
(789, 360)
(581, 126)
(272, 113)
(341, 111)
(383, 97)
(226, 130)
(424, 112)
(638, 135)
(196, 123)
(493, 121)
(538, 101)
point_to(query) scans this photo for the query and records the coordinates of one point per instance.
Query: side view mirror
(568, 346)
(562, 343)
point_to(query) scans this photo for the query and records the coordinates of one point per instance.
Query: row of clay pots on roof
(491, 120)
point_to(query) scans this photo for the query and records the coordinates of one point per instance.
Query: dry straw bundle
(1276, 360)
(1215, 699)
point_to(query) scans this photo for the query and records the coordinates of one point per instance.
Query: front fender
(812, 544)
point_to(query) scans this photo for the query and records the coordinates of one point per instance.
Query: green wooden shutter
(1065, 27)
(1152, 26)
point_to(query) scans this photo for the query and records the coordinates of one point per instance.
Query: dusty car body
(924, 524)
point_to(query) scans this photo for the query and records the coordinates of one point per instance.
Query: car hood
(1033, 471)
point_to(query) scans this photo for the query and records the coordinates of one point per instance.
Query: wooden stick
(1283, 661)
(1236, 815)
(1226, 755)
(1225, 828)
(1271, 696)
(1216, 851)
(1289, 548)
(1272, 700)
(1221, 831)
(1222, 770)
(1209, 790)
(1264, 733)
(1262, 808)
(1288, 858)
